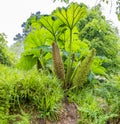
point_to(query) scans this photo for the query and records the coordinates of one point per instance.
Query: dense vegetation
(109, 2)
(5, 56)
(70, 56)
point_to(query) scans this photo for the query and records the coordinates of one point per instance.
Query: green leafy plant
(97, 102)
(70, 18)
(52, 24)
(41, 93)
(83, 70)
(97, 67)
(35, 48)
(5, 55)
(37, 90)
(101, 35)
(56, 24)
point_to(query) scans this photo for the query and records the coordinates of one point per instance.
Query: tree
(100, 35)
(106, 1)
(27, 26)
(66, 1)
(4, 54)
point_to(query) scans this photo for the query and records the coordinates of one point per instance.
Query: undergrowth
(97, 102)
(31, 90)
(25, 94)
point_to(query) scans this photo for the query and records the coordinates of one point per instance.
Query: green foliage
(97, 67)
(36, 47)
(83, 70)
(105, 1)
(26, 62)
(36, 38)
(38, 90)
(6, 90)
(52, 25)
(5, 56)
(51, 29)
(101, 36)
(70, 17)
(98, 102)
(39, 93)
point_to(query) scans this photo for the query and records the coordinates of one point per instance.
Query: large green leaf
(26, 62)
(37, 51)
(37, 38)
(30, 57)
(52, 24)
(70, 15)
(36, 46)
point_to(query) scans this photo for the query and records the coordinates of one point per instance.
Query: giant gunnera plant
(51, 27)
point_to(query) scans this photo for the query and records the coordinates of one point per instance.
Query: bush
(97, 102)
(42, 91)
(21, 88)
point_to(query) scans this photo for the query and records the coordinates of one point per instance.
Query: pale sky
(14, 12)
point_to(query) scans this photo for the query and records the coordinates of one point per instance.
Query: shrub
(36, 89)
(97, 103)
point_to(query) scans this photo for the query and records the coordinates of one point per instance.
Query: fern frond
(83, 70)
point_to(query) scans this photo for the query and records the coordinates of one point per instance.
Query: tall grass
(40, 91)
(25, 93)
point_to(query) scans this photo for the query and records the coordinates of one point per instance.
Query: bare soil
(68, 115)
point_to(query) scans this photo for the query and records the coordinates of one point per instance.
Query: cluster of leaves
(60, 27)
(107, 2)
(5, 55)
(100, 35)
(39, 91)
(98, 103)
(52, 28)
(60, 45)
